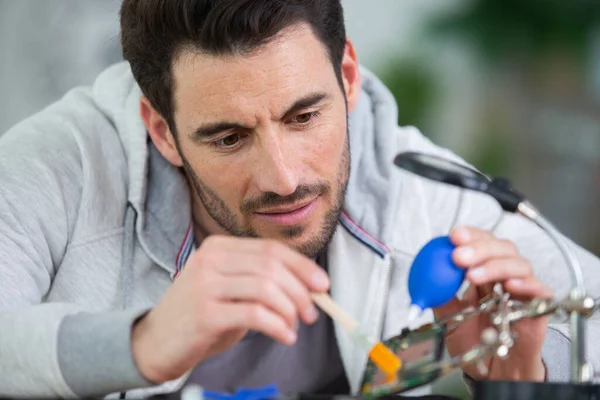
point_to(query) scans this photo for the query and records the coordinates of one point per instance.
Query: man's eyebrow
(207, 131)
(307, 101)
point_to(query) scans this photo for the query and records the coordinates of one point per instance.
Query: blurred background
(512, 86)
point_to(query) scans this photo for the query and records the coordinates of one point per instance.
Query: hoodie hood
(159, 192)
(371, 190)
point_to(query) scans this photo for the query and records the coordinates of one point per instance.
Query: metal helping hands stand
(577, 304)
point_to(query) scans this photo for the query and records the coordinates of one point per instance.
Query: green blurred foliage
(500, 32)
(531, 35)
(493, 155)
(414, 87)
(530, 28)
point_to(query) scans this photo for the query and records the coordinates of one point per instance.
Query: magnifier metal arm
(513, 201)
(578, 288)
(580, 369)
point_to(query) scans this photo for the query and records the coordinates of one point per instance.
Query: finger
(256, 289)
(500, 269)
(257, 266)
(463, 235)
(480, 251)
(254, 316)
(305, 269)
(311, 274)
(529, 287)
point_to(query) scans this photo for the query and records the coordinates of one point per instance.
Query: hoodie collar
(166, 226)
(159, 192)
(371, 193)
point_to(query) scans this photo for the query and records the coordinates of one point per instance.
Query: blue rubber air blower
(434, 279)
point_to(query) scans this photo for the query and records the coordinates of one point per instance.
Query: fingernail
(311, 314)
(516, 282)
(290, 337)
(465, 254)
(477, 274)
(320, 279)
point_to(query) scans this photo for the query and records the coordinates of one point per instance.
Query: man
(176, 216)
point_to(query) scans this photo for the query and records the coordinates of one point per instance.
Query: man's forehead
(295, 61)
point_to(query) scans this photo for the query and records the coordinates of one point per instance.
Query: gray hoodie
(93, 221)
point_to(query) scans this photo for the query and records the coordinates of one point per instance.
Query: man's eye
(229, 141)
(305, 118)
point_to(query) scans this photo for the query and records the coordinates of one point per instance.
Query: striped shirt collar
(189, 242)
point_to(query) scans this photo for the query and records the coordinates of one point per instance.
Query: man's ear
(159, 132)
(351, 75)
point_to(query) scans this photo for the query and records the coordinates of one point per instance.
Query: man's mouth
(289, 214)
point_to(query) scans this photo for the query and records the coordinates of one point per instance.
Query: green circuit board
(415, 348)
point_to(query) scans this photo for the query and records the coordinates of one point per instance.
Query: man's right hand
(229, 286)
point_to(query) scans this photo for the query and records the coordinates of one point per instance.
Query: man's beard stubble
(222, 214)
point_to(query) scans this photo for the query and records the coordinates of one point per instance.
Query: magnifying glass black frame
(450, 172)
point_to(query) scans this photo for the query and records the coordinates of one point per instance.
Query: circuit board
(415, 348)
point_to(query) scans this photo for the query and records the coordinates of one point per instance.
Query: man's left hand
(489, 260)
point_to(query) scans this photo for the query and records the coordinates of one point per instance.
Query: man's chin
(300, 239)
(294, 235)
(309, 245)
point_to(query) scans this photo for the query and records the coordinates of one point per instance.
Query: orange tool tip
(385, 359)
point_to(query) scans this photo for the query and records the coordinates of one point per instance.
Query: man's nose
(278, 167)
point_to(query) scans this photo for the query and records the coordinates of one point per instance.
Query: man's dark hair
(153, 32)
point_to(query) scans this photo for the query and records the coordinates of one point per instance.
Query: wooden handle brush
(381, 356)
